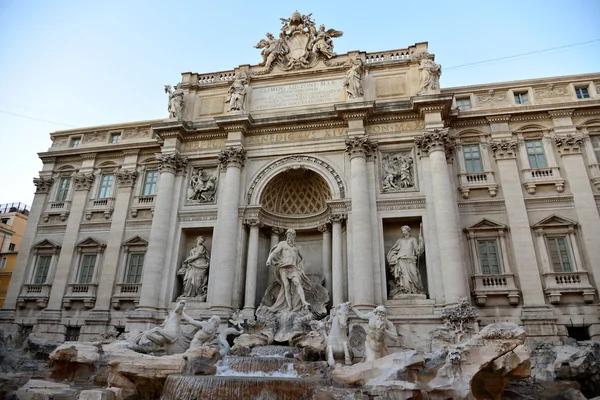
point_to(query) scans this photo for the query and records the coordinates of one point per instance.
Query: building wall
(12, 233)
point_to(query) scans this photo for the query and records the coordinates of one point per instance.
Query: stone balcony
(39, 293)
(126, 292)
(477, 180)
(142, 203)
(595, 174)
(559, 283)
(533, 177)
(495, 285)
(85, 292)
(61, 208)
(105, 205)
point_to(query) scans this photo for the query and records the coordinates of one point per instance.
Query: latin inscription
(300, 94)
(397, 127)
(296, 136)
(205, 144)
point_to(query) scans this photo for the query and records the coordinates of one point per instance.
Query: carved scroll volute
(172, 162)
(360, 146)
(505, 149)
(42, 185)
(232, 157)
(569, 144)
(435, 140)
(83, 181)
(126, 177)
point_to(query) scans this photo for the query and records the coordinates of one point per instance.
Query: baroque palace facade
(501, 181)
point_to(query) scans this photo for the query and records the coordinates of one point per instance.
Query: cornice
(355, 110)
(536, 202)
(498, 119)
(561, 113)
(289, 128)
(400, 204)
(479, 206)
(174, 129)
(393, 118)
(235, 122)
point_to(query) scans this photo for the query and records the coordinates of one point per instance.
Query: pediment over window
(46, 244)
(555, 221)
(486, 225)
(532, 130)
(135, 241)
(90, 243)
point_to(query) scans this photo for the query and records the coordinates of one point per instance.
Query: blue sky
(84, 63)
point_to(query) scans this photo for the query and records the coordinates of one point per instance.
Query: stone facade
(502, 181)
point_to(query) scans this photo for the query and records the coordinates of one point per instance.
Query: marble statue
(202, 188)
(236, 97)
(398, 172)
(337, 338)
(272, 49)
(205, 331)
(378, 329)
(353, 79)
(175, 102)
(194, 270)
(430, 75)
(323, 44)
(167, 338)
(403, 260)
(289, 272)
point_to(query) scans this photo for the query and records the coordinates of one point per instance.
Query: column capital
(568, 144)
(435, 140)
(337, 218)
(253, 223)
(83, 181)
(277, 231)
(42, 185)
(360, 146)
(126, 177)
(324, 228)
(504, 149)
(171, 162)
(232, 157)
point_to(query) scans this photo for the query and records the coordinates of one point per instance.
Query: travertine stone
(42, 185)
(402, 258)
(176, 102)
(194, 271)
(251, 268)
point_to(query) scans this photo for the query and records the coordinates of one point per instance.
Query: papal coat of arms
(300, 44)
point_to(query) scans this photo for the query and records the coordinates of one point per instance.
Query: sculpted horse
(168, 337)
(337, 339)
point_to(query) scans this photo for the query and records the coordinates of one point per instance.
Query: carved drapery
(83, 181)
(232, 156)
(398, 172)
(360, 146)
(569, 144)
(504, 149)
(172, 162)
(42, 185)
(203, 185)
(437, 139)
(126, 177)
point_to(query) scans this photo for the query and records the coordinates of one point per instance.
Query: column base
(248, 313)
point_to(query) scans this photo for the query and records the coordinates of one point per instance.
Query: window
(75, 141)
(535, 153)
(582, 93)
(559, 254)
(521, 98)
(464, 103)
(41, 270)
(72, 334)
(472, 158)
(115, 137)
(596, 146)
(134, 270)
(86, 272)
(150, 183)
(63, 189)
(3, 263)
(106, 183)
(11, 247)
(4, 221)
(489, 257)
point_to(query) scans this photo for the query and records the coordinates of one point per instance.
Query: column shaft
(251, 271)
(326, 256)
(337, 273)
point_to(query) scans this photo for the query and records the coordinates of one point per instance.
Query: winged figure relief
(322, 43)
(271, 49)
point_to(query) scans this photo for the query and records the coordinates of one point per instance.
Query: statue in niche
(194, 270)
(175, 102)
(403, 261)
(377, 330)
(398, 172)
(323, 43)
(430, 74)
(353, 79)
(272, 49)
(203, 187)
(236, 97)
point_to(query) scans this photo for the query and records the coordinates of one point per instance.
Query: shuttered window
(134, 271)
(41, 269)
(489, 257)
(86, 273)
(559, 254)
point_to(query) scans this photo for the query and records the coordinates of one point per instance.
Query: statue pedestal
(410, 304)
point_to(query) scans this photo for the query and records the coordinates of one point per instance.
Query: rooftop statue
(175, 102)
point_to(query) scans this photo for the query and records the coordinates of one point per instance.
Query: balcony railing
(85, 292)
(126, 292)
(142, 203)
(61, 208)
(533, 177)
(391, 55)
(477, 180)
(39, 293)
(595, 173)
(104, 205)
(494, 285)
(559, 283)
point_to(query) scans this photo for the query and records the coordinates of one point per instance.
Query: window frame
(135, 245)
(461, 99)
(500, 269)
(36, 272)
(153, 185)
(114, 135)
(3, 262)
(469, 161)
(137, 277)
(522, 96)
(567, 250)
(105, 191)
(75, 141)
(86, 270)
(536, 156)
(60, 189)
(88, 247)
(579, 89)
(44, 248)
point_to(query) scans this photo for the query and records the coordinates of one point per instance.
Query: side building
(13, 219)
(501, 181)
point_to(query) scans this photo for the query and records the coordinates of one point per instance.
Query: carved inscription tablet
(299, 94)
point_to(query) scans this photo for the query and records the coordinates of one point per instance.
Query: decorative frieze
(171, 162)
(551, 91)
(232, 156)
(203, 185)
(42, 185)
(398, 172)
(437, 139)
(360, 147)
(126, 177)
(504, 149)
(83, 181)
(569, 144)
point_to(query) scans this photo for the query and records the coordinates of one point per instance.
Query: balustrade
(494, 285)
(543, 176)
(559, 283)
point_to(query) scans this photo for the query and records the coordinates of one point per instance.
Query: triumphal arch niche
(317, 150)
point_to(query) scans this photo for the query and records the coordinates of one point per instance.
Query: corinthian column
(358, 148)
(251, 267)
(221, 279)
(154, 260)
(337, 267)
(326, 255)
(435, 144)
